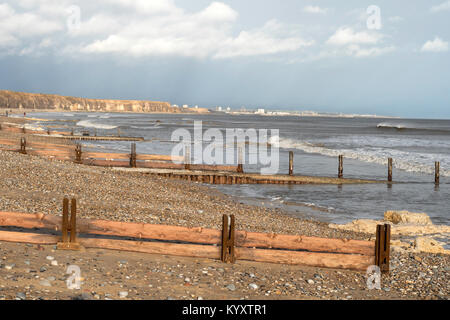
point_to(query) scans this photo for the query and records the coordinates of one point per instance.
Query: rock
(9, 266)
(54, 263)
(45, 283)
(310, 281)
(21, 296)
(123, 294)
(27, 262)
(51, 278)
(397, 217)
(187, 280)
(50, 258)
(43, 269)
(231, 287)
(253, 286)
(83, 296)
(427, 244)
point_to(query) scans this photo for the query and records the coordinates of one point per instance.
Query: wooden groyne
(179, 167)
(13, 128)
(227, 244)
(100, 138)
(218, 177)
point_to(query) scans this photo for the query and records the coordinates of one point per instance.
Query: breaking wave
(92, 124)
(403, 160)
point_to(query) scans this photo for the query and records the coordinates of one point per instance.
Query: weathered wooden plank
(194, 235)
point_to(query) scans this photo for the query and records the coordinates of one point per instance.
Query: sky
(367, 57)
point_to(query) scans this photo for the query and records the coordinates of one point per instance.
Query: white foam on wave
(403, 160)
(92, 124)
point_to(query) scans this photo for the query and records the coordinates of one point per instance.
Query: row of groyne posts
(240, 167)
(437, 166)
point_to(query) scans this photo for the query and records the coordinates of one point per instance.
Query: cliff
(35, 101)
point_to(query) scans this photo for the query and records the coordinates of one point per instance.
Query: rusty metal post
(48, 131)
(23, 145)
(133, 155)
(341, 167)
(382, 247)
(291, 163)
(390, 162)
(436, 172)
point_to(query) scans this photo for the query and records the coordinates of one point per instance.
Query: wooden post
(341, 167)
(436, 172)
(228, 239)
(73, 221)
(23, 146)
(390, 161)
(71, 132)
(187, 157)
(240, 168)
(382, 247)
(291, 163)
(48, 131)
(78, 153)
(71, 243)
(65, 220)
(118, 132)
(133, 155)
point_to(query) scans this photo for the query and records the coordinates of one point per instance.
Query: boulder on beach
(430, 245)
(397, 217)
(404, 223)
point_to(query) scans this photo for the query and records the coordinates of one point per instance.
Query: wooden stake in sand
(228, 239)
(291, 163)
(436, 172)
(133, 155)
(390, 162)
(78, 154)
(240, 168)
(341, 167)
(23, 146)
(187, 157)
(382, 247)
(72, 243)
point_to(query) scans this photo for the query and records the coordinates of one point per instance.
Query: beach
(36, 185)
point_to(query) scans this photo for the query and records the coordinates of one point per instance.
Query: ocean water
(366, 143)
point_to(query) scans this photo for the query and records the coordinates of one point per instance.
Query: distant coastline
(10, 100)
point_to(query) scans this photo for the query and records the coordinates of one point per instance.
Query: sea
(366, 144)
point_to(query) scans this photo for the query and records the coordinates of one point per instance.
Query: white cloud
(207, 33)
(360, 44)
(346, 35)
(445, 6)
(359, 52)
(140, 28)
(315, 9)
(436, 45)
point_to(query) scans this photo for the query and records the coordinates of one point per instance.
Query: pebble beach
(36, 185)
